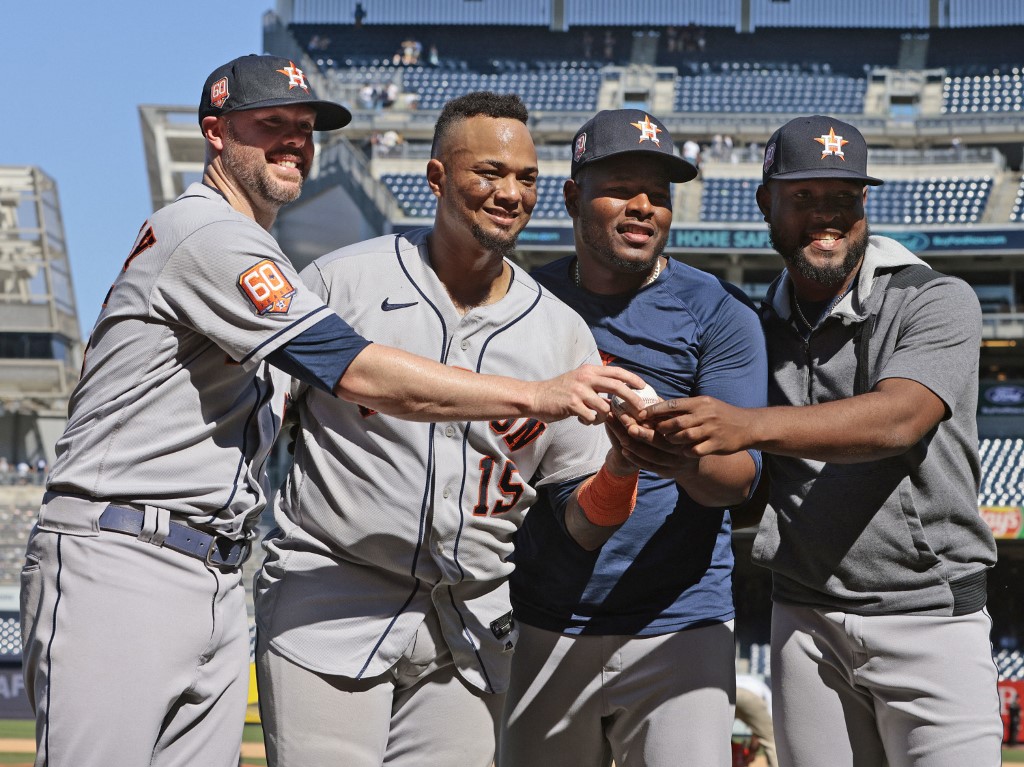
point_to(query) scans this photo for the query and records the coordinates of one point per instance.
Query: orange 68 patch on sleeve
(266, 288)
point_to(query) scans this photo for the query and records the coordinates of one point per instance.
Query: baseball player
(133, 615)
(627, 653)
(880, 636)
(384, 626)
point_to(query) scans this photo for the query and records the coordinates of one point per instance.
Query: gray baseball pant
(869, 690)
(134, 655)
(658, 701)
(419, 713)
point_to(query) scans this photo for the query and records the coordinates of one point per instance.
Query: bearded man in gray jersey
(385, 630)
(133, 614)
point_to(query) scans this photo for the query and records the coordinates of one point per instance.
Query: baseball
(647, 394)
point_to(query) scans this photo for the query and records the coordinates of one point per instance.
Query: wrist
(607, 499)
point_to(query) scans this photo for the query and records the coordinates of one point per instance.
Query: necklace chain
(800, 313)
(651, 278)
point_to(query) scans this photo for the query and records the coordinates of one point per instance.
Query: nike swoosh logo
(385, 306)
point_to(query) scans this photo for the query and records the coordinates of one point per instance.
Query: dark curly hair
(477, 103)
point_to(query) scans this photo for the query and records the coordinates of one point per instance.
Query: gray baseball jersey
(383, 520)
(174, 385)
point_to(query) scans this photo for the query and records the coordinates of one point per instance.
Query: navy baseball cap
(254, 82)
(612, 132)
(817, 147)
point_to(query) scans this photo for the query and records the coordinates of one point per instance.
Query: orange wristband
(606, 499)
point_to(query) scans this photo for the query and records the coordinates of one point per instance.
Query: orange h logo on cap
(296, 77)
(833, 144)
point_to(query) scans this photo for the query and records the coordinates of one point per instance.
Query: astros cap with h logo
(612, 132)
(817, 147)
(255, 82)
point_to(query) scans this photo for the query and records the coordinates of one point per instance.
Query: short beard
(248, 165)
(494, 244)
(830, 276)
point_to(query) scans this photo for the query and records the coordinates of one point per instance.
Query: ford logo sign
(1008, 394)
(915, 242)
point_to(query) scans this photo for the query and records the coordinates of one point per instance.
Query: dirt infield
(28, 746)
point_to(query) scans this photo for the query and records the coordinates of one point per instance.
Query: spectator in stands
(5, 466)
(672, 42)
(433, 57)
(880, 634)
(358, 15)
(628, 653)
(609, 45)
(691, 153)
(588, 44)
(368, 96)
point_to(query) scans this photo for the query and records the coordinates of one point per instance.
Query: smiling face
(485, 179)
(622, 211)
(269, 152)
(819, 228)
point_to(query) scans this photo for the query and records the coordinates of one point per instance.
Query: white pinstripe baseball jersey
(176, 407)
(382, 519)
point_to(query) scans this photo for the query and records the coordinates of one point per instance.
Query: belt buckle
(213, 553)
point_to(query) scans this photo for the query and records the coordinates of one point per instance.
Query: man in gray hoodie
(880, 636)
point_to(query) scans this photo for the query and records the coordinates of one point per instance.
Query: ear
(213, 131)
(764, 201)
(571, 193)
(435, 177)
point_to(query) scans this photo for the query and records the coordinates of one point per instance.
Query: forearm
(404, 385)
(718, 480)
(397, 383)
(864, 428)
(886, 421)
(602, 503)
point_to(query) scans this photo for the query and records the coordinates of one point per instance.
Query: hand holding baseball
(647, 395)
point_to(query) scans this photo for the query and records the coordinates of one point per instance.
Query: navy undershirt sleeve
(320, 355)
(557, 497)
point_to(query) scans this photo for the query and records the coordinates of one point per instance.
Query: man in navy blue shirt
(627, 653)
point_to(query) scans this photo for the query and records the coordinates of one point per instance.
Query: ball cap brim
(258, 82)
(817, 147)
(614, 132)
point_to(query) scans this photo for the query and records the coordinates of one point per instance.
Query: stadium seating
(730, 200)
(562, 88)
(993, 92)
(938, 200)
(1002, 472)
(1010, 664)
(1017, 214)
(762, 89)
(414, 196)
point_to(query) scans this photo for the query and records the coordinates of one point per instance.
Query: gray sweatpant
(134, 656)
(656, 701)
(868, 691)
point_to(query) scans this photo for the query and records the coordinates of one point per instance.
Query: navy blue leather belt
(215, 550)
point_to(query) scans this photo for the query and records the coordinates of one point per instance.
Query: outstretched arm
(882, 423)
(404, 385)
